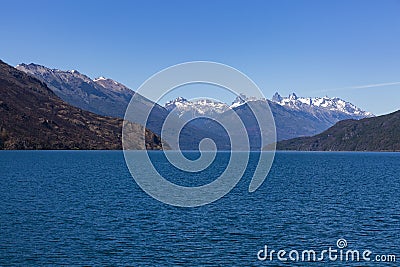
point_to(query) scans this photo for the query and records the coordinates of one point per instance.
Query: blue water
(84, 208)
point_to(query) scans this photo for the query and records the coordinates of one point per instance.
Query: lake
(84, 208)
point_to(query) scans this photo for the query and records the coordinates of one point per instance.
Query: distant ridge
(332, 104)
(102, 96)
(370, 134)
(33, 117)
(294, 116)
(107, 97)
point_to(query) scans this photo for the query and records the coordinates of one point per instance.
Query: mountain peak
(30, 64)
(276, 97)
(101, 78)
(112, 85)
(201, 106)
(239, 100)
(293, 96)
(99, 95)
(50, 123)
(180, 99)
(39, 70)
(173, 103)
(334, 104)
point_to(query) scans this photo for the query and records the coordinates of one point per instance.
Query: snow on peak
(277, 97)
(196, 107)
(327, 103)
(313, 105)
(111, 84)
(74, 71)
(101, 78)
(241, 99)
(170, 105)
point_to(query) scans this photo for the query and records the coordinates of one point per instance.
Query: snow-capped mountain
(194, 108)
(242, 99)
(106, 97)
(294, 116)
(211, 108)
(204, 106)
(332, 104)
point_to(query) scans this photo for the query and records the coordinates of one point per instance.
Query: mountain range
(32, 116)
(107, 97)
(101, 95)
(294, 116)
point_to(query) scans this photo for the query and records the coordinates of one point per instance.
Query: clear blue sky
(309, 47)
